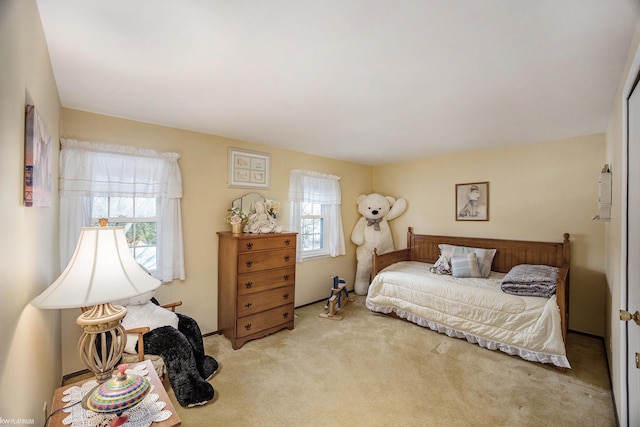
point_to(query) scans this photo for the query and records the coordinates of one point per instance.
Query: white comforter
(474, 309)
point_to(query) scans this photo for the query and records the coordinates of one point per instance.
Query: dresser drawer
(264, 320)
(260, 301)
(275, 242)
(264, 260)
(263, 280)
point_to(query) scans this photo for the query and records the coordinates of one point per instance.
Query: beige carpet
(370, 369)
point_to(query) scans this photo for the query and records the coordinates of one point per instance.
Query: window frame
(322, 252)
(124, 221)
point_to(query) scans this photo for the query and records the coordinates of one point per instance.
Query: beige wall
(537, 192)
(30, 356)
(615, 148)
(206, 197)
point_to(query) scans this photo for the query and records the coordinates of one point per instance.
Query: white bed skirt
(531, 356)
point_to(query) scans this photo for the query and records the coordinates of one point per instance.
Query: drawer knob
(285, 314)
(247, 326)
(248, 305)
(286, 277)
(249, 263)
(287, 257)
(249, 245)
(287, 242)
(285, 296)
(248, 285)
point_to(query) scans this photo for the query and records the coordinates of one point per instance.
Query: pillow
(137, 300)
(149, 314)
(485, 256)
(465, 265)
(441, 266)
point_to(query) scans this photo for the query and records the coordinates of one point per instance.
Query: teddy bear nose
(374, 212)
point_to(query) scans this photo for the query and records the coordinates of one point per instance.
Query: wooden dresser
(256, 285)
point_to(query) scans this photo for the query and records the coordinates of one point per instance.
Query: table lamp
(102, 270)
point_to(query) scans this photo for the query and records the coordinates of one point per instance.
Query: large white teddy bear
(372, 231)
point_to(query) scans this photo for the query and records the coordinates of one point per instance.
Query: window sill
(314, 257)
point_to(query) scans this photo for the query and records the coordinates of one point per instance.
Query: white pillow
(485, 256)
(149, 314)
(137, 300)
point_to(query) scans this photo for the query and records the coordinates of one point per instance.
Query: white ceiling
(371, 81)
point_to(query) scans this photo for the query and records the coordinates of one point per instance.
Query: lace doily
(150, 410)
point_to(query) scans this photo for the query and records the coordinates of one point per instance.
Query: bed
(477, 309)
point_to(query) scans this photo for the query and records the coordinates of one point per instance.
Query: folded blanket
(530, 280)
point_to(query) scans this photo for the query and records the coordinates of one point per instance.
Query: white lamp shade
(101, 270)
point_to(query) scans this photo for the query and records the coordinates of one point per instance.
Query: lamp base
(101, 344)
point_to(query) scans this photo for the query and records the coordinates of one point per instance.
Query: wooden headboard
(509, 253)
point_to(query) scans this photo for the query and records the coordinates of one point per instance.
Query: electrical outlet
(44, 410)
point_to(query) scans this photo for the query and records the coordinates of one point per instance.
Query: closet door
(633, 255)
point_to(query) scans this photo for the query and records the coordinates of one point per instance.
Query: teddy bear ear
(391, 200)
(360, 198)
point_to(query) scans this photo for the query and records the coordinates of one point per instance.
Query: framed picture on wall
(37, 160)
(472, 201)
(249, 169)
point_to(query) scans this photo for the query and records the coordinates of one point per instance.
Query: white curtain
(316, 187)
(93, 169)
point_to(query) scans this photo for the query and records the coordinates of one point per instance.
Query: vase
(236, 228)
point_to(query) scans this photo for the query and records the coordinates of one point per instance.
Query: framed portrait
(37, 160)
(248, 169)
(472, 201)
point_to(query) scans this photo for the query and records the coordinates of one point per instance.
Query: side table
(56, 420)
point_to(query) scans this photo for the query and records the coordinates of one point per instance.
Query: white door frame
(634, 70)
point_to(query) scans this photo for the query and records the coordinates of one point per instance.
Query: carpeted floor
(369, 369)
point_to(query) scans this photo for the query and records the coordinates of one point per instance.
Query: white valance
(103, 169)
(314, 187)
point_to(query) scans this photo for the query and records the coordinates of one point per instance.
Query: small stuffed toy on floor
(372, 231)
(177, 338)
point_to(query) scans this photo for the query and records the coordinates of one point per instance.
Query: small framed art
(472, 201)
(37, 160)
(249, 169)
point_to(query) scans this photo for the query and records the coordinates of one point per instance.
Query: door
(633, 256)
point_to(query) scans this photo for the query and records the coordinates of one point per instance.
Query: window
(312, 230)
(315, 214)
(138, 217)
(137, 188)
